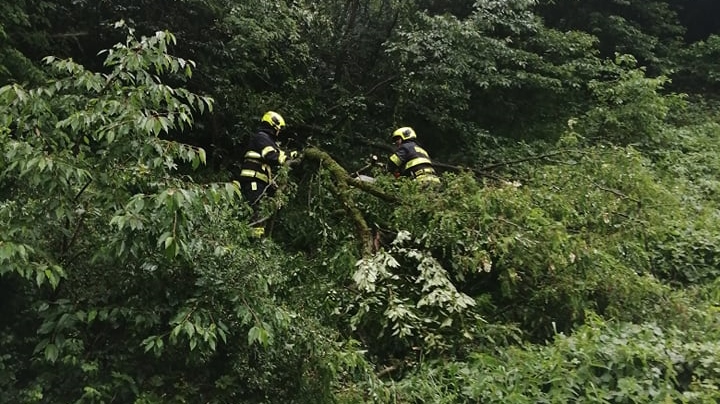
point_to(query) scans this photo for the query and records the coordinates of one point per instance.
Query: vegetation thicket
(571, 254)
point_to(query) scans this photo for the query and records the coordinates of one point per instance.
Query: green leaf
(51, 352)
(258, 334)
(40, 278)
(175, 332)
(189, 329)
(148, 343)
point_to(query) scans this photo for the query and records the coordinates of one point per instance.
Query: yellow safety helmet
(404, 133)
(274, 120)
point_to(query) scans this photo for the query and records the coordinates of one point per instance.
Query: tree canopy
(570, 255)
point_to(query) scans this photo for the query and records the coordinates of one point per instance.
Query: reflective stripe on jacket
(262, 154)
(413, 161)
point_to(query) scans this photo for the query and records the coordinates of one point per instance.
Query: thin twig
(617, 193)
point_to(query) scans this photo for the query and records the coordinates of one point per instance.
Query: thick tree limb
(361, 226)
(448, 167)
(484, 171)
(343, 181)
(342, 175)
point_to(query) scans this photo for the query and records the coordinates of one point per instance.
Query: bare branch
(71, 34)
(617, 193)
(386, 370)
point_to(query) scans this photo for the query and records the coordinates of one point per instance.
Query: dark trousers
(253, 192)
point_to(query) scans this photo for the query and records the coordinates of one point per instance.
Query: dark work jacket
(261, 156)
(411, 160)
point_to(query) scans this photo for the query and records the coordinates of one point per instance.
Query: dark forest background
(571, 254)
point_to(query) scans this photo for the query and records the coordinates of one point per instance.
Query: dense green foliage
(571, 254)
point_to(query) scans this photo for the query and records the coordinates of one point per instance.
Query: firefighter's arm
(278, 157)
(273, 156)
(396, 161)
(394, 165)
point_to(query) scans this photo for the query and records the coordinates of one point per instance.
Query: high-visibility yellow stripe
(416, 161)
(252, 155)
(266, 150)
(395, 159)
(427, 178)
(424, 171)
(254, 174)
(421, 151)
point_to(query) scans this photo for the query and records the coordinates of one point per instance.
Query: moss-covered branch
(361, 226)
(341, 175)
(343, 181)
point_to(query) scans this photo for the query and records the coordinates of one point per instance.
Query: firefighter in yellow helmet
(261, 156)
(410, 159)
